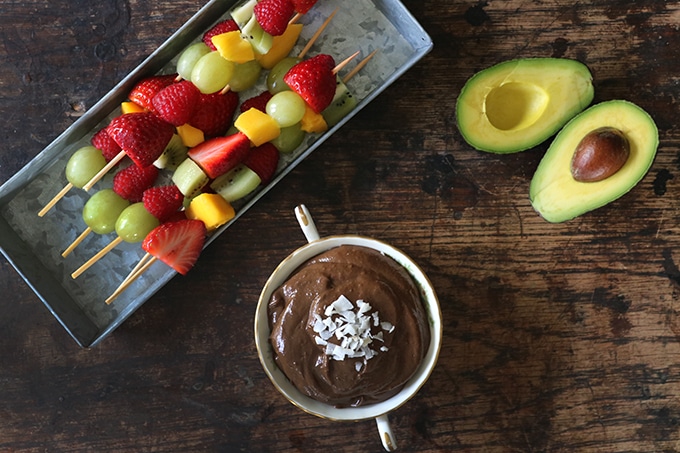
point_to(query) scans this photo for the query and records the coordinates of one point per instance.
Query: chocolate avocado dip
(348, 328)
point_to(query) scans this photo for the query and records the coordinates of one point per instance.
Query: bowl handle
(306, 222)
(387, 437)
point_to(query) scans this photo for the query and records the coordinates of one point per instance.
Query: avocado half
(518, 104)
(558, 197)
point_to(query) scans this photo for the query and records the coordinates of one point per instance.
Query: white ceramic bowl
(377, 411)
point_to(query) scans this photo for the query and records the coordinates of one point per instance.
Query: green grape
(289, 139)
(135, 222)
(275, 83)
(211, 73)
(102, 210)
(245, 76)
(287, 108)
(187, 60)
(83, 165)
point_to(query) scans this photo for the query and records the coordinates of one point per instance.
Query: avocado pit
(600, 154)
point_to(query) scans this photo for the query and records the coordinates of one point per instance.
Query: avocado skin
(558, 197)
(566, 86)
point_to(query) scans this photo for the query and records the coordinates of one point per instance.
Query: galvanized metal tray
(33, 245)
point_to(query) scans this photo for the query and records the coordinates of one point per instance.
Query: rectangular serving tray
(33, 245)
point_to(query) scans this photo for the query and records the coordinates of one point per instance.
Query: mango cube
(313, 122)
(131, 107)
(211, 209)
(281, 46)
(259, 127)
(190, 135)
(233, 47)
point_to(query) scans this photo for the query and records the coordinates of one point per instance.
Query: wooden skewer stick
(112, 163)
(295, 18)
(55, 199)
(135, 269)
(225, 90)
(359, 66)
(344, 62)
(316, 35)
(141, 267)
(97, 257)
(75, 243)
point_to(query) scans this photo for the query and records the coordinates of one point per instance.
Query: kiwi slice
(174, 154)
(343, 103)
(260, 40)
(236, 183)
(189, 178)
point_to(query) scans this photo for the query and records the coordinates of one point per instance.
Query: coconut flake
(387, 326)
(351, 326)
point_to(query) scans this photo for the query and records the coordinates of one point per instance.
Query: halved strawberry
(104, 143)
(303, 6)
(220, 154)
(314, 81)
(162, 201)
(131, 182)
(221, 27)
(178, 244)
(143, 136)
(176, 103)
(263, 160)
(273, 15)
(143, 93)
(214, 113)
(258, 102)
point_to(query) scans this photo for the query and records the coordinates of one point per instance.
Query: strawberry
(214, 113)
(162, 201)
(178, 244)
(104, 143)
(303, 6)
(177, 102)
(314, 81)
(220, 154)
(258, 102)
(131, 182)
(143, 136)
(143, 93)
(263, 160)
(273, 15)
(221, 27)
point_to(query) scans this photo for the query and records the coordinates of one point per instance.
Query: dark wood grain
(557, 338)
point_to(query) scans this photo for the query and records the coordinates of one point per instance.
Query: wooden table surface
(557, 338)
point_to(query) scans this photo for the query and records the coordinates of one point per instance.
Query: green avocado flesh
(518, 104)
(558, 197)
